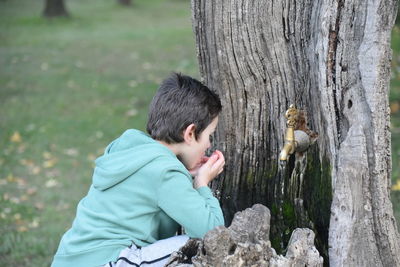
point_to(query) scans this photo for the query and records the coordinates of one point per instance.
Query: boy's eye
(211, 138)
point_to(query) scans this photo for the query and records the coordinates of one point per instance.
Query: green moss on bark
(314, 212)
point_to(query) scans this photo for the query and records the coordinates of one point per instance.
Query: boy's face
(196, 149)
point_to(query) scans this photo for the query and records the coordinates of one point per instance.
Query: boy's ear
(189, 133)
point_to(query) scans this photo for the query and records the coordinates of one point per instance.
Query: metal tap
(294, 140)
(289, 146)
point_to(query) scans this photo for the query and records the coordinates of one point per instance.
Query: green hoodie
(140, 193)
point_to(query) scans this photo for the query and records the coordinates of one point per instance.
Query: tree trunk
(125, 2)
(54, 8)
(331, 58)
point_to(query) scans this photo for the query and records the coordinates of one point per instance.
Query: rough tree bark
(54, 8)
(331, 58)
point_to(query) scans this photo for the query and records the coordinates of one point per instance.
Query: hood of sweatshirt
(125, 156)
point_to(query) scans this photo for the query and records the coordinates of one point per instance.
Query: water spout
(294, 140)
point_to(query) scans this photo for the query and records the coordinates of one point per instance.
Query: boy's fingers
(219, 164)
(220, 168)
(220, 155)
(211, 160)
(204, 159)
(215, 162)
(220, 160)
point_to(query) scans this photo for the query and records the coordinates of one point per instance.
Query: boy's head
(179, 102)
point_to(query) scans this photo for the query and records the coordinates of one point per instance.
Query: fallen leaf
(99, 134)
(10, 178)
(62, 206)
(31, 191)
(131, 113)
(73, 152)
(16, 138)
(21, 182)
(46, 155)
(26, 162)
(21, 148)
(132, 83)
(34, 223)
(44, 66)
(51, 183)
(49, 163)
(22, 229)
(396, 187)
(15, 200)
(394, 107)
(35, 170)
(39, 205)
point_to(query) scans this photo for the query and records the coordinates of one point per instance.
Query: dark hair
(179, 102)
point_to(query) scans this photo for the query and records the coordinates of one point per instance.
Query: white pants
(154, 255)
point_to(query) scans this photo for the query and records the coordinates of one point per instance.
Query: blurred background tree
(125, 2)
(55, 8)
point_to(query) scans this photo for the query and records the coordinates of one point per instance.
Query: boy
(143, 187)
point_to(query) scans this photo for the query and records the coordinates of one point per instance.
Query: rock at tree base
(246, 244)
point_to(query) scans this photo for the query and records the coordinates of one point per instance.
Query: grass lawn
(68, 87)
(395, 121)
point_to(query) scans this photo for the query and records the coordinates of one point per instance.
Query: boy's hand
(212, 166)
(195, 170)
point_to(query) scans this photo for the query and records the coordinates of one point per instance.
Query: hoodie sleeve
(198, 211)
